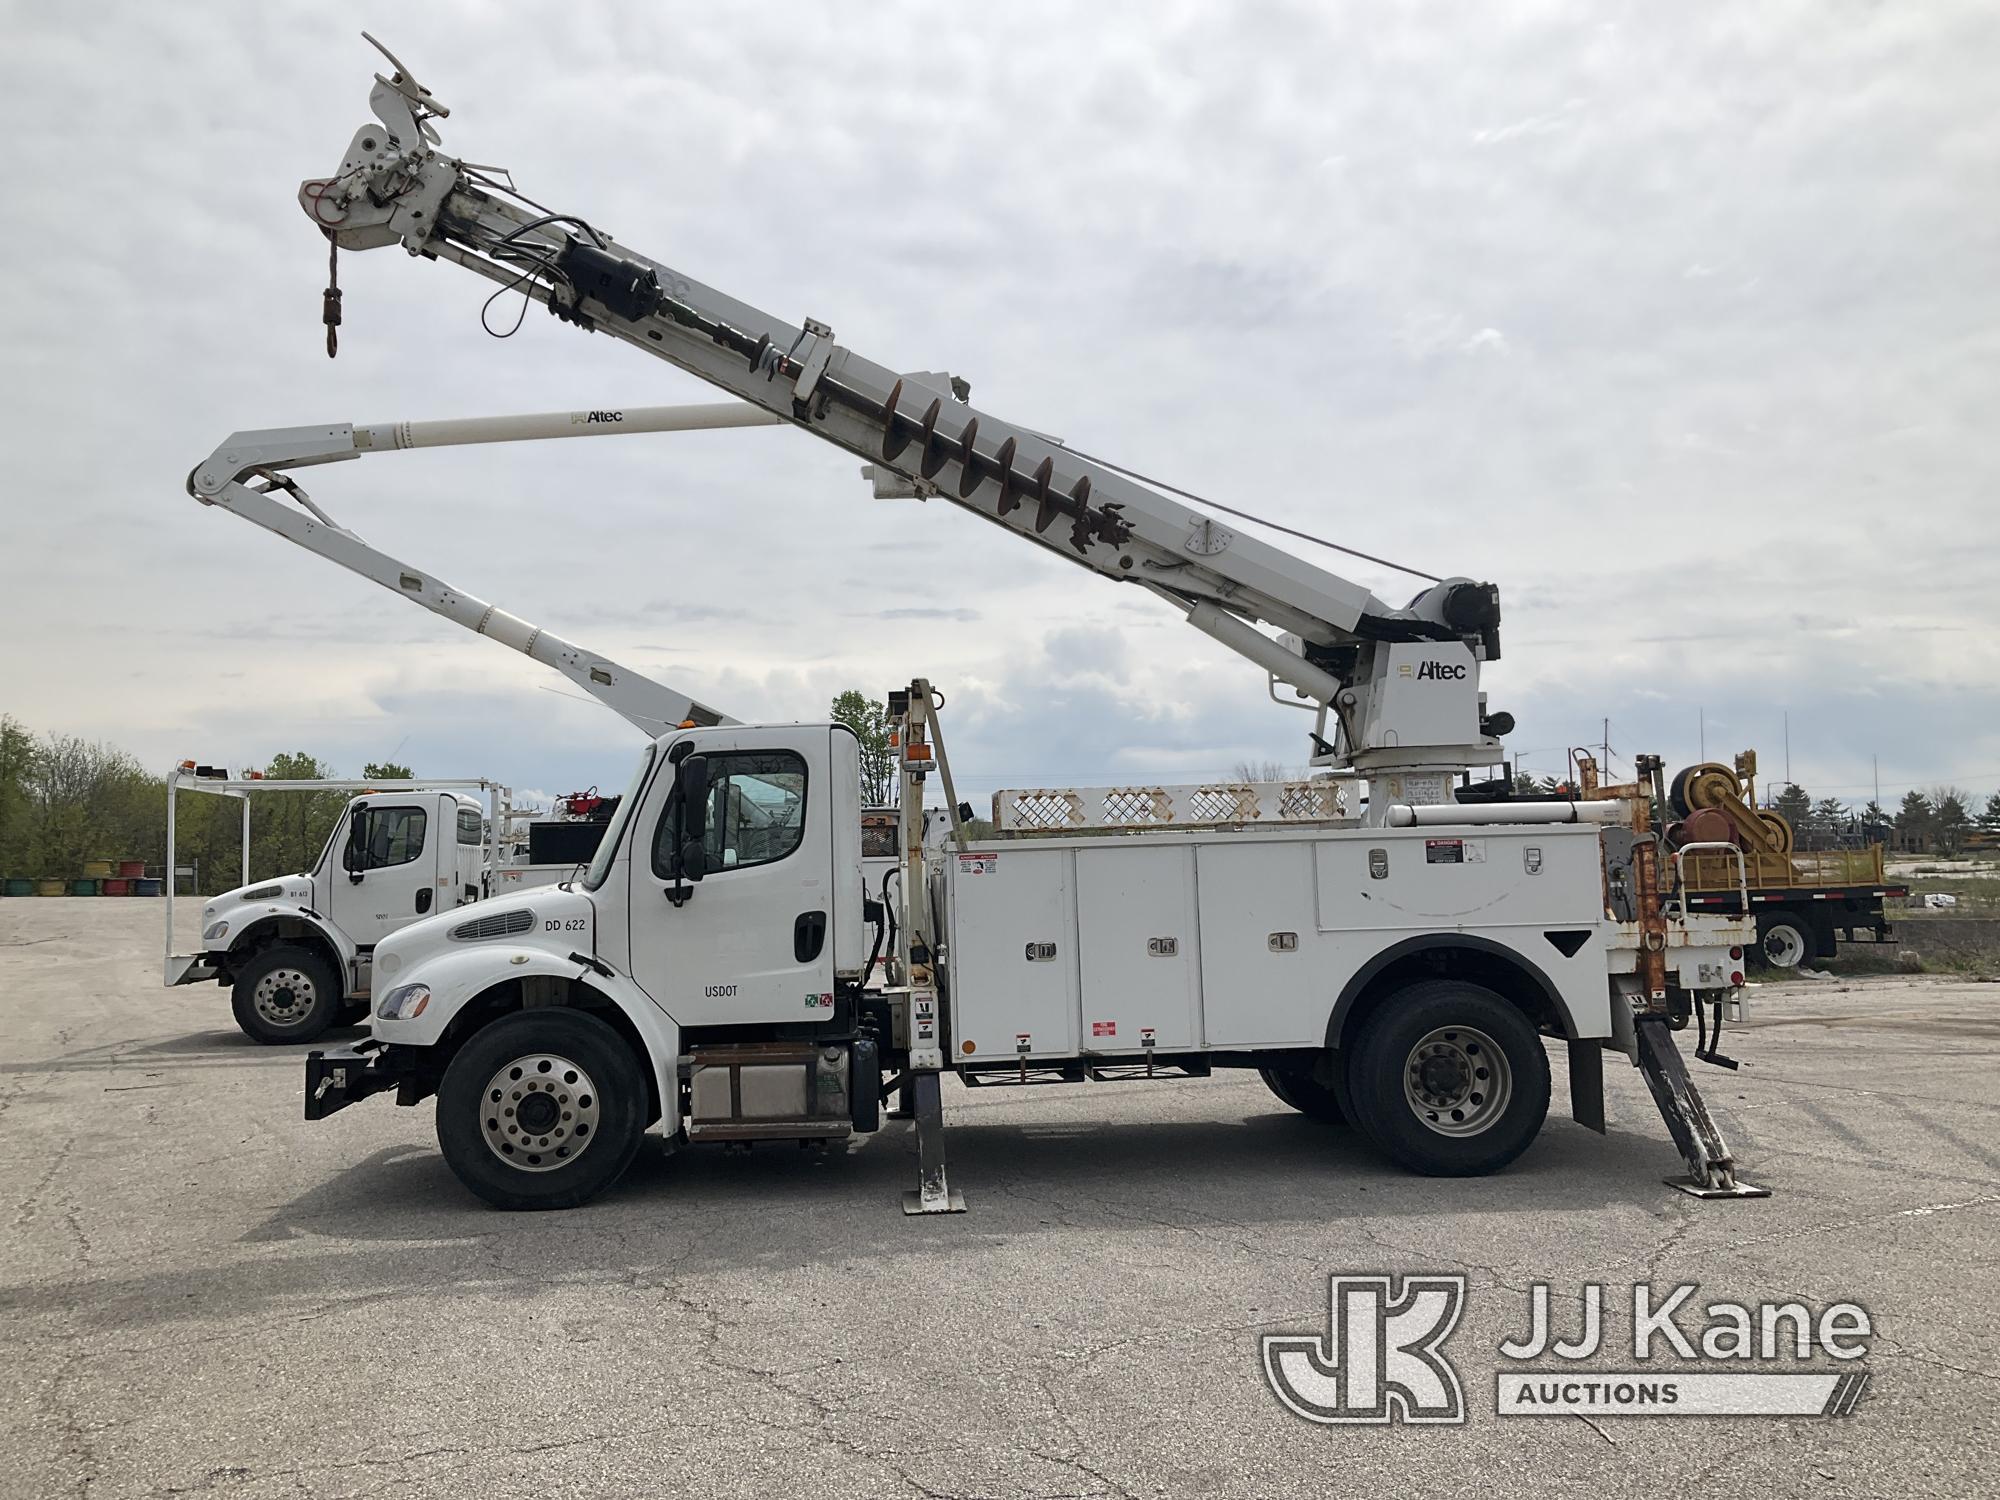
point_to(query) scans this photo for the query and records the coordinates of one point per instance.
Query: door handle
(808, 936)
(423, 900)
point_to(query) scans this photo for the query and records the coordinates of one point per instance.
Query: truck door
(388, 877)
(464, 859)
(753, 942)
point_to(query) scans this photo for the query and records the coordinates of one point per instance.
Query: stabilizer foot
(1702, 1190)
(933, 1194)
(1711, 1168)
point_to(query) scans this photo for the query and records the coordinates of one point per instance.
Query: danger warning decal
(1104, 1028)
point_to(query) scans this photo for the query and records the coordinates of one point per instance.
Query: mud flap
(1711, 1169)
(933, 1195)
(1586, 1083)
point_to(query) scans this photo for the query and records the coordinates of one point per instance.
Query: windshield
(333, 836)
(600, 863)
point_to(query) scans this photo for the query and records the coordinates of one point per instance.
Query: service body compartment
(1139, 941)
(1265, 980)
(1245, 940)
(1012, 949)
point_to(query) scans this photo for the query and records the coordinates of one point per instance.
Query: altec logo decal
(1441, 671)
(591, 418)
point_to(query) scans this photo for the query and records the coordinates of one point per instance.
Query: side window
(471, 828)
(395, 836)
(756, 812)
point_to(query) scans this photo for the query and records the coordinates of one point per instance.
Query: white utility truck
(296, 952)
(709, 973)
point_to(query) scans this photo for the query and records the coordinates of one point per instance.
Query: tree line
(66, 801)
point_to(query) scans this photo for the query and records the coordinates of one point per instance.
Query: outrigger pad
(1701, 1190)
(1711, 1167)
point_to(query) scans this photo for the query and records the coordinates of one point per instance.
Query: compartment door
(1139, 939)
(1013, 954)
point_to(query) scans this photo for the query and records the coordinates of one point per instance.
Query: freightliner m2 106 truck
(720, 970)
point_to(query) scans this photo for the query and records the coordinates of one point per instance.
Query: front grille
(500, 924)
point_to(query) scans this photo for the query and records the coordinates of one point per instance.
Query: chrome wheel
(539, 1112)
(1457, 1081)
(284, 997)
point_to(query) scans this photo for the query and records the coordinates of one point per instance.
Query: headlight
(404, 1003)
(215, 932)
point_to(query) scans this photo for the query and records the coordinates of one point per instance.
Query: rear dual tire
(1315, 1101)
(1785, 942)
(1449, 1080)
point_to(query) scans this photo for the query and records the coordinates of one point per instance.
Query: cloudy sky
(1678, 322)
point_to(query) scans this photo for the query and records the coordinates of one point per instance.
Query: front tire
(286, 993)
(1449, 1080)
(542, 1109)
(1313, 1100)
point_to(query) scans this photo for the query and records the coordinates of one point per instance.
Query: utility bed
(1204, 941)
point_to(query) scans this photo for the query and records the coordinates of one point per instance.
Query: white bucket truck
(296, 952)
(1403, 970)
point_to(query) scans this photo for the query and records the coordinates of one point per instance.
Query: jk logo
(1380, 1358)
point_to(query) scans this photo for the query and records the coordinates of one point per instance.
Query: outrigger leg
(1711, 1169)
(932, 1195)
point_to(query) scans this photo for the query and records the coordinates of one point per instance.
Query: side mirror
(355, 860)
(694, 859)
(694, 817)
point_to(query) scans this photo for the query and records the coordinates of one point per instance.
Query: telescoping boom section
(1396, 688)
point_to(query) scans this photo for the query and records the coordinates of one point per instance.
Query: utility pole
(1876, 762)
(1788, 748)
(1704, 732)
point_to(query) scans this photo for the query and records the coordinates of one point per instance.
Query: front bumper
(188, 968)
(339, 1076)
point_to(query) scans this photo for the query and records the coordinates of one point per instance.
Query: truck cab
(296, 952)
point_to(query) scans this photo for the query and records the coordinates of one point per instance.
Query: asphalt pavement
(203, 1294)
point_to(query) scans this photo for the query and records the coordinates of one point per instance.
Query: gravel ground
(203, 1294)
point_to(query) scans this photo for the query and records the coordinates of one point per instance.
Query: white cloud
(1250, 249)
